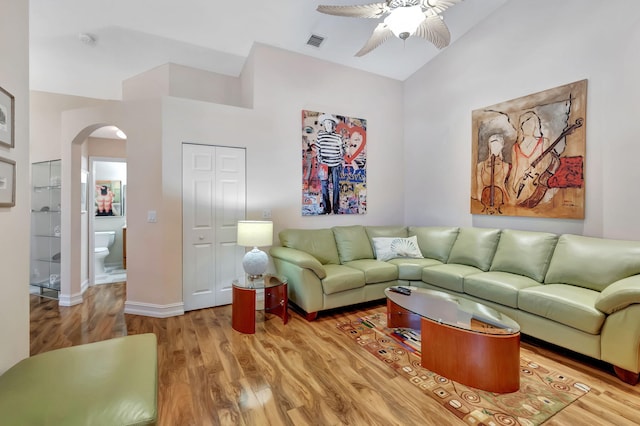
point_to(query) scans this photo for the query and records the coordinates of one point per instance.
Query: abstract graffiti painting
(528, 155)
(334, 164)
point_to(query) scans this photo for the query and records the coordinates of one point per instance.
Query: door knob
(201, 237)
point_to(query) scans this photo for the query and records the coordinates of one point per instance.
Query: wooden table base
(484, 361)
(243, 310)
(276, 301)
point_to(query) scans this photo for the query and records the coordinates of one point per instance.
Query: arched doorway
(77, 228)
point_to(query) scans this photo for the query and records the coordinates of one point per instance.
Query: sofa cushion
(340, 278)
(524, 253)
(352, 242)
(387, 248)
(375, 271)
(320, 243)
(386, 231)
(411, 269)
(435, 242)
(592, 263)
(566, 304)
(475, 247)
(449, 276)
(498, 287)
(111, 382)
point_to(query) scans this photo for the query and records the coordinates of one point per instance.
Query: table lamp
(255, 233)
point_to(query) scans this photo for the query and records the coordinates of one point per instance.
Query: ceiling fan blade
(373, 10)
(381, 34)
(439, 6)
(435, 30)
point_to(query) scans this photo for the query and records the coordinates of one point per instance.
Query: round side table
(243, 308)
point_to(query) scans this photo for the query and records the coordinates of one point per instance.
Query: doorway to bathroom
(108, 224)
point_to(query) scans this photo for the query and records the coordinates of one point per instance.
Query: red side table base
(243, 310)
(276, 300)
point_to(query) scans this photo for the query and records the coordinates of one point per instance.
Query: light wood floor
(304, 373)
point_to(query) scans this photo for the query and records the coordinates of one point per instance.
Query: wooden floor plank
(302, 373)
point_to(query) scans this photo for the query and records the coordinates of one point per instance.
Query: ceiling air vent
(315, 40)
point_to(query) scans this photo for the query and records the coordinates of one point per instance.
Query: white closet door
(213, 200)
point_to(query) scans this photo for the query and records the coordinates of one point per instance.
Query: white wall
(185, 82)
(15, 221)
(146, 284)
(46, 118)
(284, 84)
(110, 148)
(526, 47)
(111, 170)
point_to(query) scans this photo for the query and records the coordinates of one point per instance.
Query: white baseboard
(84, 286)
(72, 300)
(153, 310)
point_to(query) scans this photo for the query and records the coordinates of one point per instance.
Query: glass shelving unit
(45, 228)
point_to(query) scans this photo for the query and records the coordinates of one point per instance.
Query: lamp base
(255, 263)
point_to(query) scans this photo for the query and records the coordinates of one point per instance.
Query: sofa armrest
(299, 258)
(619, 295)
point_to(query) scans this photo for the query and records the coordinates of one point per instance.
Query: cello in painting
(538, 180)
(492, 197)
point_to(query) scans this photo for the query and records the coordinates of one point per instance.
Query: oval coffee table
(462, 340)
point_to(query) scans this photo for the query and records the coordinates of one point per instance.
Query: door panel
(202, 268)
(230, 208)
(213, 202)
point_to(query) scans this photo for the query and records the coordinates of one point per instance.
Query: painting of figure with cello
(528, 155)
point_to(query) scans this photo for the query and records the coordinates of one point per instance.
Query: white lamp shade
(403, 21)
(255, 233)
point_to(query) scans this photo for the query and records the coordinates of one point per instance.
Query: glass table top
(455, 311)
(266, 281)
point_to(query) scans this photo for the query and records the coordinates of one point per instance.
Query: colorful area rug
(542, 393)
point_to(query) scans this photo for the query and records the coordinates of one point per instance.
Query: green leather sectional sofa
(581, 293)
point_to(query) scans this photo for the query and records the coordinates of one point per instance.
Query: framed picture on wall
(334, 164)
(528, 155)
(7, 182)
(7, 110)
(108, 198)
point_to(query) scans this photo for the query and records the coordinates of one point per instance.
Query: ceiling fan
(402, 18)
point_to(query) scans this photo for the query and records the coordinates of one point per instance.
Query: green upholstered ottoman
(113, 382)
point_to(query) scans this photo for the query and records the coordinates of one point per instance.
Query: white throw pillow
(390, 248)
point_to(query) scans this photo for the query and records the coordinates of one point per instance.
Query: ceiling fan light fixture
(403, 21)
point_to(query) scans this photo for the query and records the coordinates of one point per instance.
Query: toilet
(103, 240)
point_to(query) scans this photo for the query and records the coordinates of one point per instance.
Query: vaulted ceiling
(88, 47)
